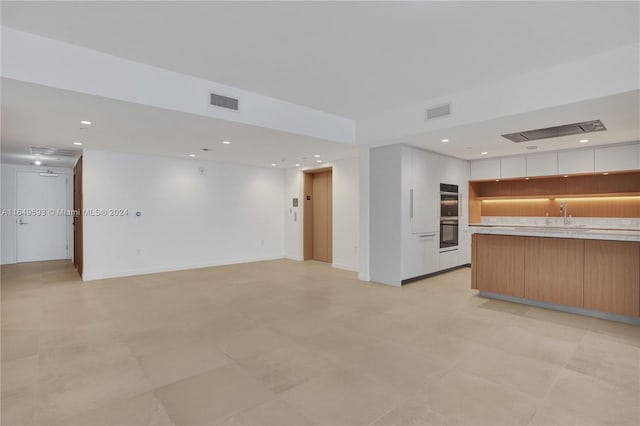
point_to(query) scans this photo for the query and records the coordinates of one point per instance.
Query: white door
(41, 229)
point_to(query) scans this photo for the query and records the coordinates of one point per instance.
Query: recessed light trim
(226, 142)
(192, 155)
(484, 153)
(584, 140)
(297, 164)
(78, 143)
(37, 162)
(444, 140)
(273, 164)
(85, 122)
(316, 155)
(318, 161)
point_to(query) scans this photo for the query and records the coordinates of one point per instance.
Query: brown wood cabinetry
(554, 270)
(612, 277)
(598, 275)
(500, 264)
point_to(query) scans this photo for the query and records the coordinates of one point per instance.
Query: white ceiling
(347, 58)
(619, 113)
(44, 116)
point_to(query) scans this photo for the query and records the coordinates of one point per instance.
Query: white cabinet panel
(449, 259)
(625, 157)
(420, 256)
(570, 162)
(485, 169)
(426, 185)
(511, 167)
(543, 164)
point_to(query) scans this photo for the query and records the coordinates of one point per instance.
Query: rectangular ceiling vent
(436, 112)
(52, 152)
(223, 101)
(557, 131)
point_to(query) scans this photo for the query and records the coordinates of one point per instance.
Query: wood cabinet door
(500, 264)
(612, 277)
(553, 270)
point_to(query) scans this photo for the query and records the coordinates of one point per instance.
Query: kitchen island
(587, 271)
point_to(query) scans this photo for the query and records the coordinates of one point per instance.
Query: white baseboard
(345, 267)
(145, 271)
(298, 258)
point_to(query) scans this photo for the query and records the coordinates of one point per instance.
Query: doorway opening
(318, 215)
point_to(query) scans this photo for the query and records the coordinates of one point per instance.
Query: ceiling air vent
(52, 152)
(223, 101)
(557, 131)
(435, 112)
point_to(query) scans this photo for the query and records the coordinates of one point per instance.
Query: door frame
(78, 220)
(307, 211)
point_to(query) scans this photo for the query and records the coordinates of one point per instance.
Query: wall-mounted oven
(449, 211)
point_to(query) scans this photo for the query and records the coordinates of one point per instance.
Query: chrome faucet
(563, 209)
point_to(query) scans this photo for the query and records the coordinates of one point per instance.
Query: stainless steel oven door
(448, 233)
(448, 204)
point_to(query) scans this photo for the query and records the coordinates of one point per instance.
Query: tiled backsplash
(589, 222)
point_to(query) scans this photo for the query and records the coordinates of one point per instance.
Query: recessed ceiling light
(317, 155)
(584, 140)
(318, 161)
(192, 155)
(297, 165)
(88, 123)
(226, 142)
(444, 140)
(78, 143)
(273, 164)
(484, 153)
(37, 162)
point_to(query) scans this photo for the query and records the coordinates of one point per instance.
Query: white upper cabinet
(543, 164)
(625, 157)
(485, 169)
(512, 167)
(570, 162)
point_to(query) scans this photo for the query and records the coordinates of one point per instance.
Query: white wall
(345, 214)
(8, 195)
(229, 214)
(607, 73)
(40, 60)
(293, 215)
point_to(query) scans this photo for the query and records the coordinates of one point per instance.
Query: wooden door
(78, 258)
(318, 215)
(612, 277)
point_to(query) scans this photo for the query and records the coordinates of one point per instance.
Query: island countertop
(578, 232)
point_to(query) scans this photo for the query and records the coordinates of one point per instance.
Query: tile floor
(299, 343)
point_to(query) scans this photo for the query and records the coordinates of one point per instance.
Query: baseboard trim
(562, 308)
(134, 272)
(433, 274)
(298, 258)
(345, 267)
